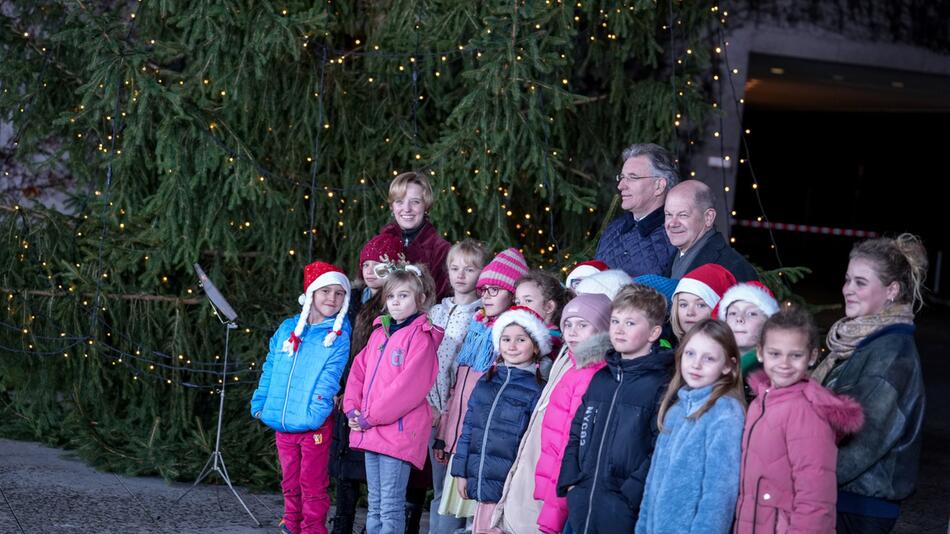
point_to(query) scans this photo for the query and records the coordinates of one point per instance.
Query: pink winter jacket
(789, 456)
(556, 428)
(388, 384)
(450, 425)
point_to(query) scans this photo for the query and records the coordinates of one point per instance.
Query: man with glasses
(636, 241)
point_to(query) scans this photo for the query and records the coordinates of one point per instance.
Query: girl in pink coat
(385, 399)
(789, 451)
(584, 322)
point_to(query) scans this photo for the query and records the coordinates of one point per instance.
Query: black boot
(415, 503)
(347, 495)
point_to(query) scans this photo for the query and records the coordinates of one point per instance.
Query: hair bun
(913, 250)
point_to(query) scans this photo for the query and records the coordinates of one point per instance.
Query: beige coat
(517, 511)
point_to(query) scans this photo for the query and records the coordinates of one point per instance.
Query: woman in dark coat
(873, 359)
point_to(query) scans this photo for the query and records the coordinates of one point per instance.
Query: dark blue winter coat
(608, 454)
(498, 414)
(637, 248)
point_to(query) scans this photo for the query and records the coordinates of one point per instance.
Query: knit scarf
(845, 335)
(477, 350)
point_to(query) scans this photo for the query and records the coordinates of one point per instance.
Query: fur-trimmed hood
(842, 413)
(592, 350)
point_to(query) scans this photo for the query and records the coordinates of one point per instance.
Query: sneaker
(282, 528)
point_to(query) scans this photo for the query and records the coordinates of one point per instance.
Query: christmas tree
(253, 137)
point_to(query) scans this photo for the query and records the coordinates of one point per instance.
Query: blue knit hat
(665, 286)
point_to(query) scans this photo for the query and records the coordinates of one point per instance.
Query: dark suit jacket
(717, 251)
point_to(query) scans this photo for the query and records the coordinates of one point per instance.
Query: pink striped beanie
(504, 270)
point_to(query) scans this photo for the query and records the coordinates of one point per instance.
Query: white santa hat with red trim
(316, 275)
(528, 319)
(754, 292)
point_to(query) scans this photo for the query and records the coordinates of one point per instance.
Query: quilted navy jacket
(497, 418)
(637, 248)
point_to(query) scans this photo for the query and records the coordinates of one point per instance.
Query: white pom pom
(301, 299)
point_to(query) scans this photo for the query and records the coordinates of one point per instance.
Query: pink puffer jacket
(388, 384)
(556, 427)
(450, 426)
(789, 455)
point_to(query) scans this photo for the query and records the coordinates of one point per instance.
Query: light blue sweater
(694, 475)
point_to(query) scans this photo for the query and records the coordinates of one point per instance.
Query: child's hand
(440, 456)
(354, 422)
(461, 485)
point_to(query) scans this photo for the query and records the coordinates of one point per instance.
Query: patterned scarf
(849, 332)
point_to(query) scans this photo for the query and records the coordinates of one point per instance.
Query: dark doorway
(841, 146)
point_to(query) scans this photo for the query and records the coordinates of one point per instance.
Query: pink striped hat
(504, 270)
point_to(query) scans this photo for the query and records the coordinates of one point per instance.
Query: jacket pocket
(773, 505)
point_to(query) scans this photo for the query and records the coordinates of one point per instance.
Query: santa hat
(316, 275)
(708, 282)
(754, 292)
(528, 319)
(584, 269)
(382, 248)
(593, 308)
(503, 270)
(607, 283)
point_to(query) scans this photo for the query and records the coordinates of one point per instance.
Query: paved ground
(43, 490)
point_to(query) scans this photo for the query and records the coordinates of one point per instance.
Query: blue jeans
(440, 524)
(386, 479)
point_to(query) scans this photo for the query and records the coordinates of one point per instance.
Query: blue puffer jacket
(497, 418)
(637, 248)
(295, 393)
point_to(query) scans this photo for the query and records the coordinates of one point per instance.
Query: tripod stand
(215, 462)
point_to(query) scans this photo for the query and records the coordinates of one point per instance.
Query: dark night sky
(883, 172)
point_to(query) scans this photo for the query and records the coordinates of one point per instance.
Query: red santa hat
(754, 292)
(316, 275)
(708, 282)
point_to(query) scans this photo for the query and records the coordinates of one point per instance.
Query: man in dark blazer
(689, 220)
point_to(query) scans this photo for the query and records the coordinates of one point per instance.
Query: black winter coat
(346, 463)
(498, 414)
(717, 251)
(885, 376)
(611, 443)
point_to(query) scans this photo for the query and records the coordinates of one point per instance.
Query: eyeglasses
(491, 291)
(632, 177)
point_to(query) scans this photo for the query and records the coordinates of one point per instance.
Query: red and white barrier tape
(805, 228)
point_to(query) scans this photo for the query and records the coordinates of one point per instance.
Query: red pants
(304, 458)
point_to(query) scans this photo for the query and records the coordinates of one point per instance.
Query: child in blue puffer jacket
(499, 411)
(295, 394)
